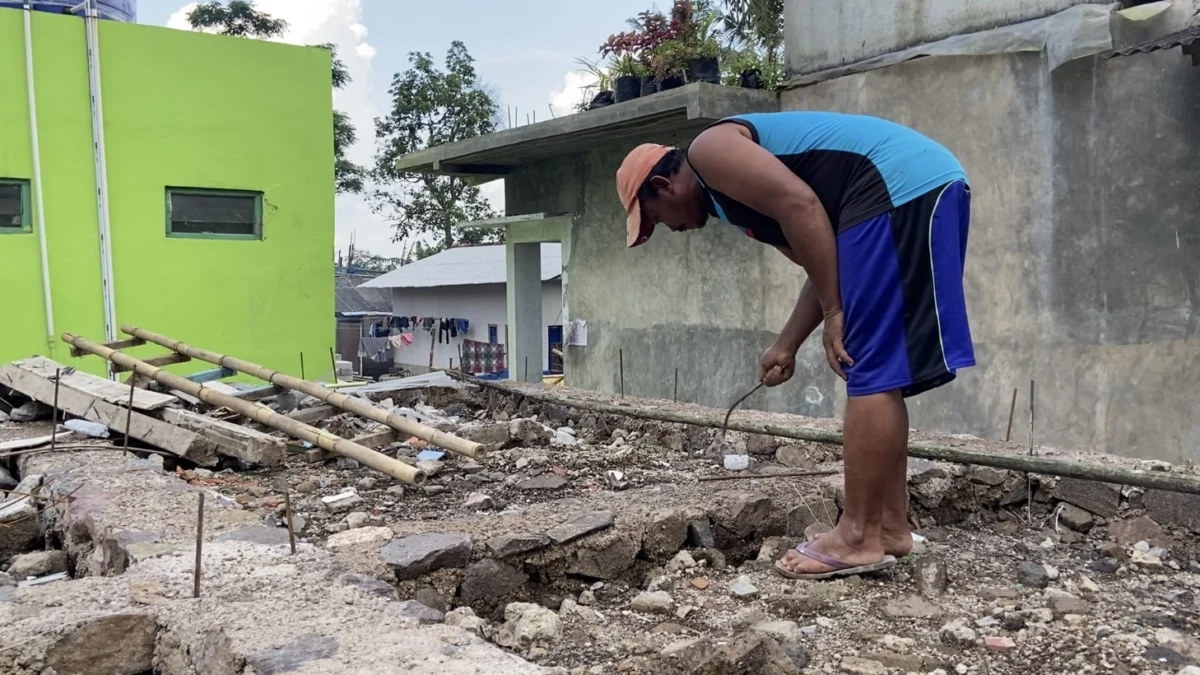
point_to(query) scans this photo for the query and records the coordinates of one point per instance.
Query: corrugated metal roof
(463, 266)
(1184, 38)
(351, 298)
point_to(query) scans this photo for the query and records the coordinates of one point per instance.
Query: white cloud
(564, 99)
(338, 22)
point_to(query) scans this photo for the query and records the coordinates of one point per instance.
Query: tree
(432, 107)
(241, 19)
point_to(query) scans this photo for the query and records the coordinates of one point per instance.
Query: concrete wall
(1082, 274)
(480, 304)
(826, 33)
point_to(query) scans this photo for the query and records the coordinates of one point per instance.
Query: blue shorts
(901, 278)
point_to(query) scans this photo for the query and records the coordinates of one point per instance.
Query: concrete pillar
(525, 311)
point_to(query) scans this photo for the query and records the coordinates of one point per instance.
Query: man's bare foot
(896, 542)
(833, 545)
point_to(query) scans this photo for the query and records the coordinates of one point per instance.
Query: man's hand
(777, 365)
(835, 352)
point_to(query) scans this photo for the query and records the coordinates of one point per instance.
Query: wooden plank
(314, 415)
(378, 439)
(164, 360)
(182, 442)
(119, 344)
(91, 385)
(233, 440)
(260, 393)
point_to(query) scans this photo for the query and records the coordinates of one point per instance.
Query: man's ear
(661, 183)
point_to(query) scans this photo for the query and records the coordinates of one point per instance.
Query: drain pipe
(90, 20)
(39, 212)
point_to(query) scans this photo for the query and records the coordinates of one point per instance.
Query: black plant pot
(628, 87)
(672, 82)
(649, 86)
(751, 78)
(704, 69)
(601, 100)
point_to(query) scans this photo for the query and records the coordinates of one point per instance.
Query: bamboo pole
(257, 412)
(923, 449)
(337, 399)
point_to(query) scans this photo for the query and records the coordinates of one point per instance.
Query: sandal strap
(805, 550)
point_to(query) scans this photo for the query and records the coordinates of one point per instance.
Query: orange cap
(633, 172)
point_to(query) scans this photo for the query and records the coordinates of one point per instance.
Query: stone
(736, 462)
(761, 444)
(293, 655)
(489, 580)
(587, 598)
(116, 643)
(1012, 621)
(1062, 603)
(932, 577)
(657, 602)
(813, 509)
(493, 435)
(911, 607)
(6, 580)
(432, 490)
(700, 534)
(343, 502)
(31, 411)
(856, 665)
(411, 609)
(532, 625)
(986, 475)
(994, 643)
(681, 561)
(1100, 499)
(529, 432)
(18, 526)
(795, 457)
(745, 653)
(691, 651)
(664, 582)
(957, 634)
(664, 535)
(1104, 566)
(369, 584)
(257, 534)
(418, 554)
(356, 519)
(579, 526)
(571, 610)
(464, 617)
(1039, 615)
(1173, 508)
(784, 632)
(546, 481)
(605, 556)
(741, 513)
(1109, 549)
(431, 467)
(1184, 644)
(1051, 572)
(742, 588)
(516, 543)
(359, 536)
(1076, 518)
(700, 583)
(366, 483)
(1033, 575)
(7, 482)
(478, 501)
(38, 564)
(1145, 559)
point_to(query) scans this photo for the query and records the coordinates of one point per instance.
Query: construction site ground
(583, 543)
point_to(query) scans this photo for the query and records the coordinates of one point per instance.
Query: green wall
(186, 110)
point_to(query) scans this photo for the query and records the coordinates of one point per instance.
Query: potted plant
(669, 62)
(624, 66)
(599, 93)
(701, 36)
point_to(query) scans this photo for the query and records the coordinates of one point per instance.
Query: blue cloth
(901, 285)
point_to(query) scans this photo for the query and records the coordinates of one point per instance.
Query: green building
(213, 220)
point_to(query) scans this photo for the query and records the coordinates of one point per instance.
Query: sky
(525, 53)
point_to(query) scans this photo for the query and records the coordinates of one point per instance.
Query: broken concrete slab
(360, 536)
(605, 556)
(257, 534)
(580, 525)
(418, 554)
(546, 481)
(294, 655)
(516, 543)
(232, 440)
(18, 526)
(1100, 499)
(1173, 508)
(37, 564)
(121, 644)
(490, 580)
(665, 534)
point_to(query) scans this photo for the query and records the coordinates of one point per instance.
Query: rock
(761, 444)
(1173, 508)
(957, 634)
(1040, 615)
(700, 534)
(587, 598)
(681, 561)
(1012, 621)
(1062, 603)
(38, 564)
(493, 435)
(1104, 566)
(1051, 572)
(431, 467)
(747, 653)
(741, 513)
(664, 582)
(1194, 567)
(464, 617)
(689, 652)
(1076, 518)
(814, 509)
(700, 583)
(1129, 532)
(665, 534)
(657, 602)
(1145, 559)
(6, 580)
(532, 625)
(546, 481)
(1172, 639)
(1032, 575)
(7, 482)
(114, 643)
(411, 609)
(737, 462)
(579, 526)
(489, 580)
(1108, 549)
(986, 475)
(999, 644)
(369, 584)
(359, 536)
(932, 577)
(795, 457)
(477, 501)
(356, 519)
(516, 543)
(855, 665)
(571, 610)
(343, 502)
(529, 432)
(366, 484)
(30, 412)
(605, 556)
(1100, 499)
(742, 588)
(911, 607)
(18, 526)
(347, 463)
(418, 554)
(784, 632)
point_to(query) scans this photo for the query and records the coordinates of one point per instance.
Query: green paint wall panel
(183, 110)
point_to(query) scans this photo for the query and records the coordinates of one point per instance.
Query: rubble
(418, 554)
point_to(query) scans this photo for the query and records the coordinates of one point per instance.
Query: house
(1082, 265)
(356, 309)
(205, 212)
(468, 283)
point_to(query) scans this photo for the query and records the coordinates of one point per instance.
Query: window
(214, 214)
(14, 206)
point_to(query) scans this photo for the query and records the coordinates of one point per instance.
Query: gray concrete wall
(823, 34)
(1083, 265)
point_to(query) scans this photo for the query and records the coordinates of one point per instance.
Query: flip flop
(905, 560)
(840, 568)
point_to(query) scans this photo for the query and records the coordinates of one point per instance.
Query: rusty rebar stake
(287, 508)
(1029, 476)
(725, 424)
(1012, 409)
(199, 547)
(129, 415)
(54, 412)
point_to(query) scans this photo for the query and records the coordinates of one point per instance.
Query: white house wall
(480, 304)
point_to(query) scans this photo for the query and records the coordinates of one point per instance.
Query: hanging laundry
(406, 338)
(463, 326)
(373, 348)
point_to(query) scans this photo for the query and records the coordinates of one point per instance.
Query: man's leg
(897, 536)
(876, 441)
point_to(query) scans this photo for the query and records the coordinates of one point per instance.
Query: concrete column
(525, 311)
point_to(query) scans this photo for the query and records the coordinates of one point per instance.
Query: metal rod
(725, 424)
(257, 412)
(302, 366)
(621, 369)
(129, 413)
(781, 474)
(1029, 476)
(1012, 408)
(287, 508)
(54, 412)
(526, 367)
(675, 396)
(352, 404)
(333, 362)
(199, 548)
